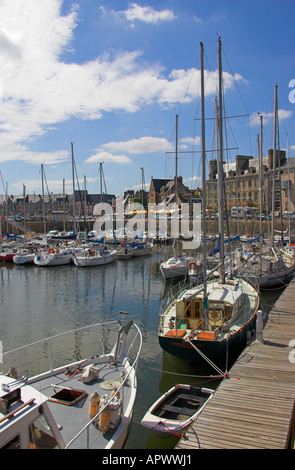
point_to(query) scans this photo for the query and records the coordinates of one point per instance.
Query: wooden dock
(254, 407)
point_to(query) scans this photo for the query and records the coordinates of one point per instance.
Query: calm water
(38, 302)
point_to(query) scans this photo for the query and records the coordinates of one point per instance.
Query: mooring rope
(188, 375)
(207, 359)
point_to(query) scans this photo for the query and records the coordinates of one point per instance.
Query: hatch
(67, 396)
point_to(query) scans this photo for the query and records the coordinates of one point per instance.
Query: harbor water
(37, 302)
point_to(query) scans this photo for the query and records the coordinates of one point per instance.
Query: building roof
(158, 183)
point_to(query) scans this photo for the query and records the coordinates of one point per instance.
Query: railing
(48, 348)
(133, 367)
(44, 356)
(177, 291)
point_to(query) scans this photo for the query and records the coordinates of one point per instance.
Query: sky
(110, 76)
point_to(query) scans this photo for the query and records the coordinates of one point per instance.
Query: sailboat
(94, 257)
(211, 320)
(176, 266)
(270, 267)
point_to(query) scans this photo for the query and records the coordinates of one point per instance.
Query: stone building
(242, 183)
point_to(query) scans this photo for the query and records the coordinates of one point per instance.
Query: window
(40, 435)
(13, 443)
(193, 309)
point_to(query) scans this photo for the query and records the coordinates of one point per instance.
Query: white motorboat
(93, 257)
(84, 404)
(174, 411)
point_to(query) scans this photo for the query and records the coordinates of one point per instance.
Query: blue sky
(111, 75)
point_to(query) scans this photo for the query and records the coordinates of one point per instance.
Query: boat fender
(94, 404)
(115, 392)
(105, 415)
(116, 413)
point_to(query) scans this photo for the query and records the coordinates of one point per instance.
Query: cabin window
(228, 310)
(193, 309)
(41, 436)
(13, 443)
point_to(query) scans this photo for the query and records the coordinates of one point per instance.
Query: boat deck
(72, 418)
(254, 407)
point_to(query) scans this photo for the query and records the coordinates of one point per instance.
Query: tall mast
(74, 199)
(142, 186)
(220, 167)
(204, 199)
(44, 215)
(25, 215)
(289, 215)
(274, 160)
(261, 173)
(176, 161)
(100, 176)
(64, 204)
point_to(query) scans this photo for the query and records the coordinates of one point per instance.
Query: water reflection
(38, 302)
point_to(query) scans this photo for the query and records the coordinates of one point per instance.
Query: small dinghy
(174, 411)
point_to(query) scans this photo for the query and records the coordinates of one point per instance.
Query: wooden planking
(254, 407)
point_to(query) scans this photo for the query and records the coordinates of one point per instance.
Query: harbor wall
(248, 228)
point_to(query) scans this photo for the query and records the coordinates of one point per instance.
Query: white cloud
(40, 90)
(193, 181)
(187, 142)
(139, 146)
(103, 156)
(147, 14)
(196, 19)
(269, 117)
(54, 185)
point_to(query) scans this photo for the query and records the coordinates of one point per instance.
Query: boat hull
(173, 272)
(55, 259)
(174, 411)
(213, 350)
(84, 261)
(188, 331)
(268, 280)
(24, 259)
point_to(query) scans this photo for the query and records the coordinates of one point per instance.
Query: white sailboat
(54, 257)
(94, 257)
(176, 266)
(211, 320)
(24, 256)
(270, 267)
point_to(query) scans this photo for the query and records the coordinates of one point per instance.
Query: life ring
(51, 250)
(214, 315)
(192, 265)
